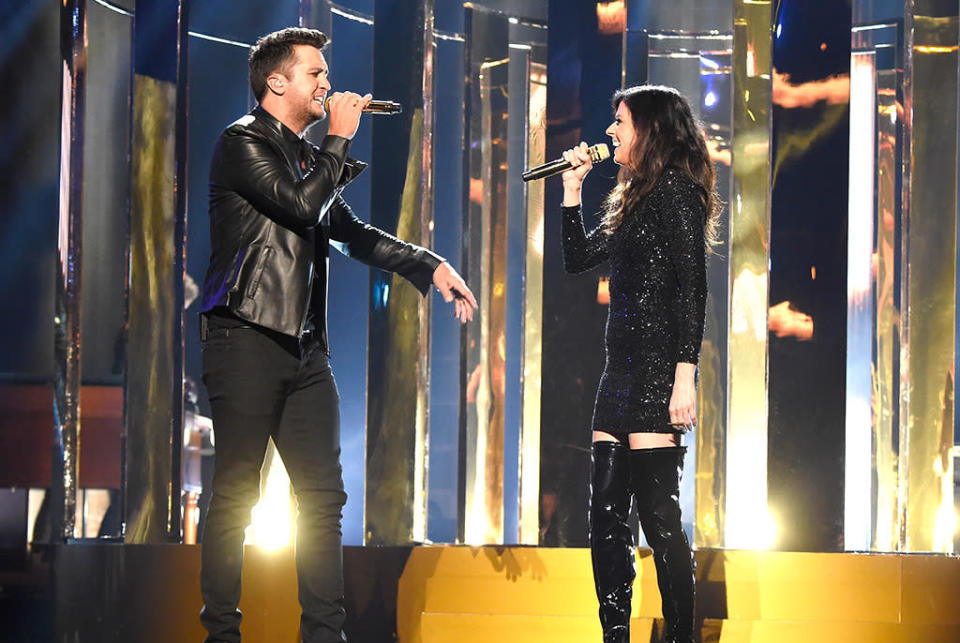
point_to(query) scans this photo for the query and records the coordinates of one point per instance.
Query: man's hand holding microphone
(343, 111)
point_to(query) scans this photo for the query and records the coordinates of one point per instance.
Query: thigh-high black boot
(655, 479)
(611, 542)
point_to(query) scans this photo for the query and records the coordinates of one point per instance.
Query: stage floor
(101, 593)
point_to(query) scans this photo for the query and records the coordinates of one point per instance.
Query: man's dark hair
(275, 51)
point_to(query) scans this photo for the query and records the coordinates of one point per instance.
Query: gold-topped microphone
(374, 107)
(598, 152)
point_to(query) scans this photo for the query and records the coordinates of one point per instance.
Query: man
(275, 205)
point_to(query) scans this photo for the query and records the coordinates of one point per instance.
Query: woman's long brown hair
(667, 135)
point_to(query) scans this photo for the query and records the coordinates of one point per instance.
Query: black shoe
(611, 541)
(655, 481)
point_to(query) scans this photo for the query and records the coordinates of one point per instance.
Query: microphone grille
(599, 152)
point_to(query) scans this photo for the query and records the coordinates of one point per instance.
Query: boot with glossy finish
(655, 481)
(611, 541)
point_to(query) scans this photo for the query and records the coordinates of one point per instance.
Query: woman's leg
(611, 542)
(656, 465)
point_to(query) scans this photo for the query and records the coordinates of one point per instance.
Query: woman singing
(659, 221)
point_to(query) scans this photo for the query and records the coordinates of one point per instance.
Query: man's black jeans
(264, 384)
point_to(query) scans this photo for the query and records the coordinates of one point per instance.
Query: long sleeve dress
(658, 293)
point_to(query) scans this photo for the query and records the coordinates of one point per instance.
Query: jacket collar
(275, 126)
(351, 166)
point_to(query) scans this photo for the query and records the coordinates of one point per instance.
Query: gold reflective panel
(397, 404)
(152, 367)
(929, 277)
(399, 369)
(533, 313)
(746, 522)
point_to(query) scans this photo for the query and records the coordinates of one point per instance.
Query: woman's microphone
(374, 107)
(598, 152)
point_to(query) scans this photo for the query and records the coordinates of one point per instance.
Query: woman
(659, 221)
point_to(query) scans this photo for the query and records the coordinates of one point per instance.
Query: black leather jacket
(275, 206)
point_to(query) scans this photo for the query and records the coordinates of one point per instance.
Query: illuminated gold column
(398, 362)
(153, 407)
(929, 276)
(533, 314)
(66, 386)
(745, 524)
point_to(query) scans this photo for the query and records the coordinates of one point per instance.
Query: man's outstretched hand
(451, 285)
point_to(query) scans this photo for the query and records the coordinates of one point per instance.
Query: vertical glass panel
(529, 532)
(870, 514)
(746, 521)
(929, 285)
(351, 68)
(445, 390)
(808, 280)
(106, 193)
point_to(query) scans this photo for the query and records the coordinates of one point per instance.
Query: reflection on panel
(929, 284)
(485, 231)
(154, 362)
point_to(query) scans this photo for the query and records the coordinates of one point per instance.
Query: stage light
(750, 526)
(710, 99)
(272, 526)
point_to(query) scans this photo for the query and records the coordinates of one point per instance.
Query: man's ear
(276, 83)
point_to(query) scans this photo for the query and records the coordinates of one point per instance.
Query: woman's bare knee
(653, 440)
(603, 436)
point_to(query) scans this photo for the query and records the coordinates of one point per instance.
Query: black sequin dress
(658, 294)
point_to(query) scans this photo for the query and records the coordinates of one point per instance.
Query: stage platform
(150, 594)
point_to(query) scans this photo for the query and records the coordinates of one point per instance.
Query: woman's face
(622, 132)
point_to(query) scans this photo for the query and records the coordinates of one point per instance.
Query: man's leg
(245, 372)
(309, 443)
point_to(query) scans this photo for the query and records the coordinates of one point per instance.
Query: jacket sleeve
(684, 215)
(581, 251)
(376, 248)
(257, 171)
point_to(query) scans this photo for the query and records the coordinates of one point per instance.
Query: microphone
(374, 106)
(598, 152)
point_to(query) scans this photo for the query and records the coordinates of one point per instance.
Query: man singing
(275, 206)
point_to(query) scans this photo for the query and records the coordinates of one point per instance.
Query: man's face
(306, 83)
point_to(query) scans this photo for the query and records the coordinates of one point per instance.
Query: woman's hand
(683, 401)
(579, 158)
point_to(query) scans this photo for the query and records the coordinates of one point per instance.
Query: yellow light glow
(746, 469)
(272, 525)
(945, 525)
(935, 49)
